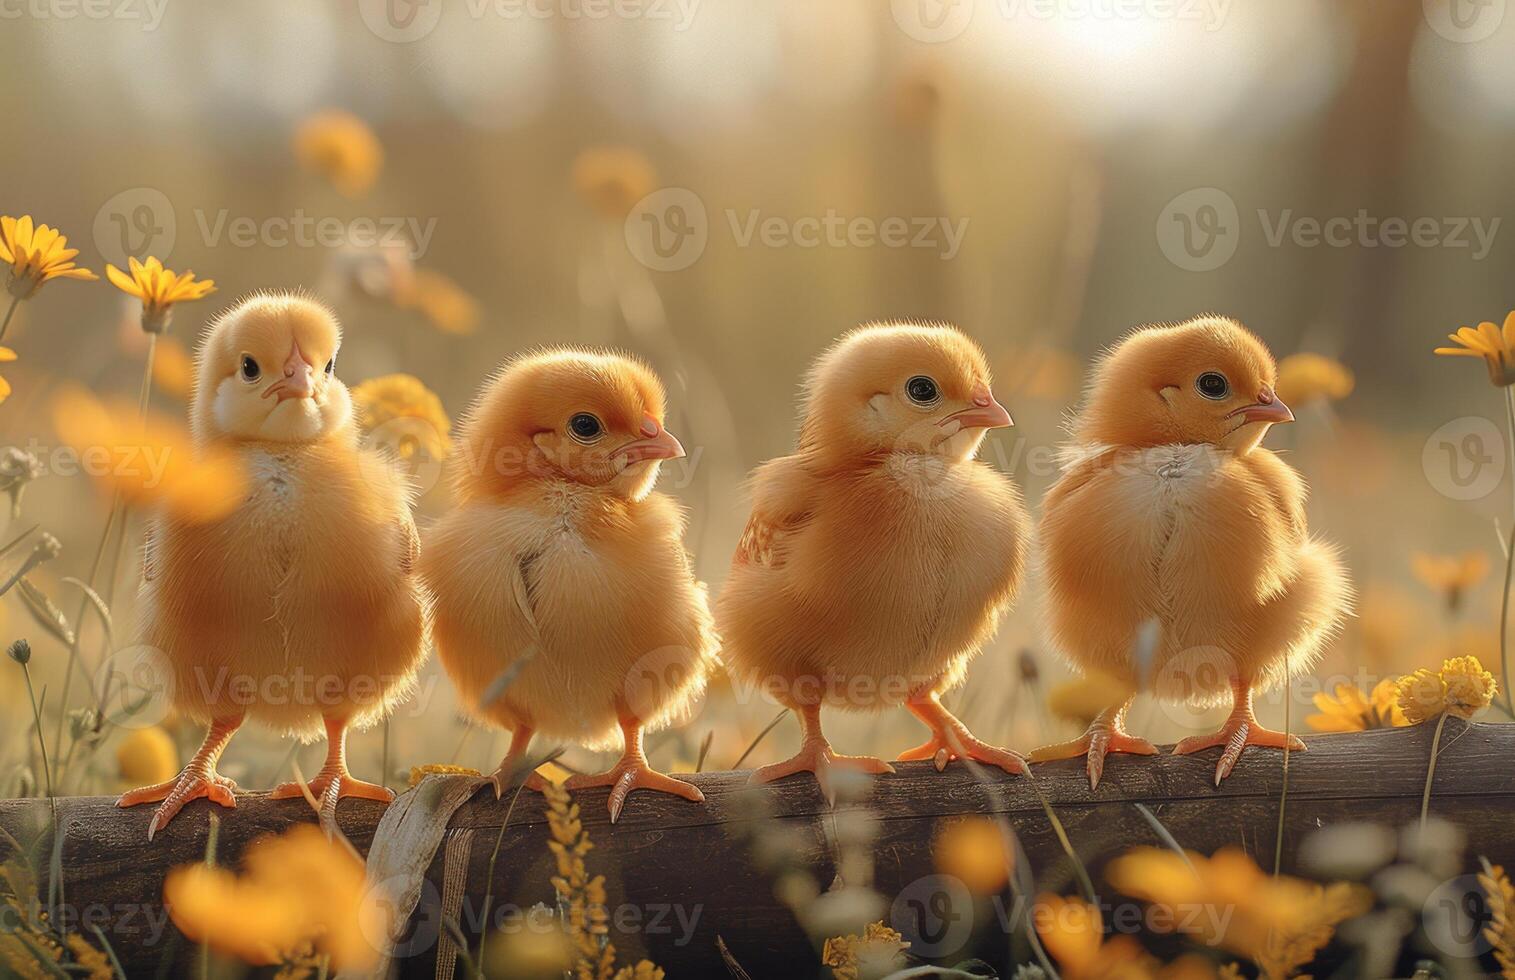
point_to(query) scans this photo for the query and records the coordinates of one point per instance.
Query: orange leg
(514, 762)
(333, 781)
(950, 739)
(816, 755)
(633, 772)
(1239, 731)
(1107, 733)
(198, 779)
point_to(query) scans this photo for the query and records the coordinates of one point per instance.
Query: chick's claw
(942, 750)
(816, 756)
(346, 785)
(1236, 736)
(191, 784)
(632, 775)
(1094, 745)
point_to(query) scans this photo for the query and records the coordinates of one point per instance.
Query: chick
(566, 603)
(300, 609)
(1170, 512)
(879, 557)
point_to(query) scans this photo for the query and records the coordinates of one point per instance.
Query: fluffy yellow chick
(879, 557)
(566, 603)
(299, 610)
(1170, 513)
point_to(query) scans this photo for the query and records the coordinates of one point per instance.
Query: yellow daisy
(1422, 695)
(1347, 710)
(342, 148)
(158, 289)
(1470, 688)
(1495, 346)
(1303, 378)
(36, 256)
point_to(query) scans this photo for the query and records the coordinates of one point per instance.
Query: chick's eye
(250, 369)
(584, 427)
(1213, 385)
(922, 390)
(331, 365)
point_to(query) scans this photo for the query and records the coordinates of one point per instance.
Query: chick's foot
(1105, 735)
(631, 774)
(1238, 733)
(816, 756)
(943, 748)
(193, 783)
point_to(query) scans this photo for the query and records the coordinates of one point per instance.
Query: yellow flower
(1349, 711)
(173, 368)
(1469, 688)
(1280, 922)
(613, 179)
(440, 300)
(1453, 576)
(342, 148)
(378, 402)
(1491, 344)
(973, 850)
(1073, 934)
(418, 773)
(1303, 378)
(1500, 932)
(36, 256)
(147, 755)
(1422, 695)
(296, 890)
(158, 289)
(874, 953)
(1462, 687)
(154, 464)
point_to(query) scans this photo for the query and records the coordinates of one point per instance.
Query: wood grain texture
(679, 874)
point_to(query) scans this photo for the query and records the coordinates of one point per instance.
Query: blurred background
(724, 187)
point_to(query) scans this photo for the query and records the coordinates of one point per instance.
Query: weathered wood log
(680, 874)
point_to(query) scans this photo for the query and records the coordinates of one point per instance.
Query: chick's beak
(658, 443)
(298, 377)
(986, 413)
(1268, 408)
